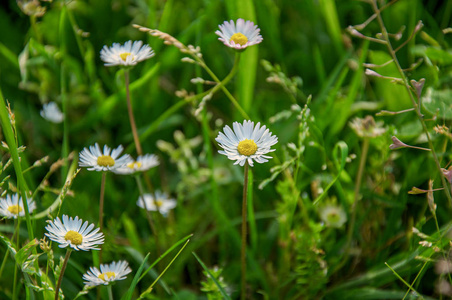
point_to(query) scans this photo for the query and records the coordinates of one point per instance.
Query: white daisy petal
(52, 113)
(163, 203)
(71, 233)
(143, 163)
(126, 55)
(107, 274)
(96, 160)
(239, 35)
(246, 143)
(12, 206)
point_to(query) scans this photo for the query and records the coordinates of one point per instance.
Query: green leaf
(438, 102)
(25, 251)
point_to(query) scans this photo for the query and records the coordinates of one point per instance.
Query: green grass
(292, 252)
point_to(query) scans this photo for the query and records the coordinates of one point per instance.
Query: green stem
(359, 176)
(110, 292)
(4, 262)
(136, 139)
(63, 268)
(15, 282)
(35, 29)
(16, 267)
(101, 207)
(243, 250)
(413, 101)
(65, 147)
(148, 215)
(221, 84)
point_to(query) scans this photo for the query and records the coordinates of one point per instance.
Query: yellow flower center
(333, 217)
(135, 164)
(15, 209)
(247, 147)
(124, 55)
(159, 203)
(239, 38)
(74, 237)
(105, 161)
(109, 275)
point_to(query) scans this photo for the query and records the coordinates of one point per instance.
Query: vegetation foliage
(354, 204)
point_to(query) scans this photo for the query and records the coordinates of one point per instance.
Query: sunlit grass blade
(136, 278)
(165, 254)
(11, 141)
(149, 289)
(222, 291)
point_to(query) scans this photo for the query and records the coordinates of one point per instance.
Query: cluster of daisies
(73, 233)
(245, 143)
(110, 160)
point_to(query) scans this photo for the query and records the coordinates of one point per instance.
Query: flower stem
(131, 117)
(16, 268)
(101, 207)
(63, 268)
(148, 215)
(221, 84)
(359, 176)
(35, 29)
(243, 252)
(110, 292)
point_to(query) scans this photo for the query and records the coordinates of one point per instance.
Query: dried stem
(136, 139)
(413, 101)
(63, 268)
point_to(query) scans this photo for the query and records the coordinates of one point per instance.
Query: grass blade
(222, 291)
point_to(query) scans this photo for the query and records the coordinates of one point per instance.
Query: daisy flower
(107, 274)
(246, 143)
(162, 203)
(240, 35)
(13, 207)
(52, 113)
(72, 233)
(333, 216)
(143, 163)
(107, 160)
(126, 55)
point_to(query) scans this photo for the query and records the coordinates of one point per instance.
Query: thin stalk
(65, 146)
(63, 268)
(413, 101)
(359, 177)
(225, 90)
(101, 207)
(110, 292)
(243, 251)
(4, 262)
(148, 215)
(35, 29)
(15, 282)
(136, 139)
(16, 268)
